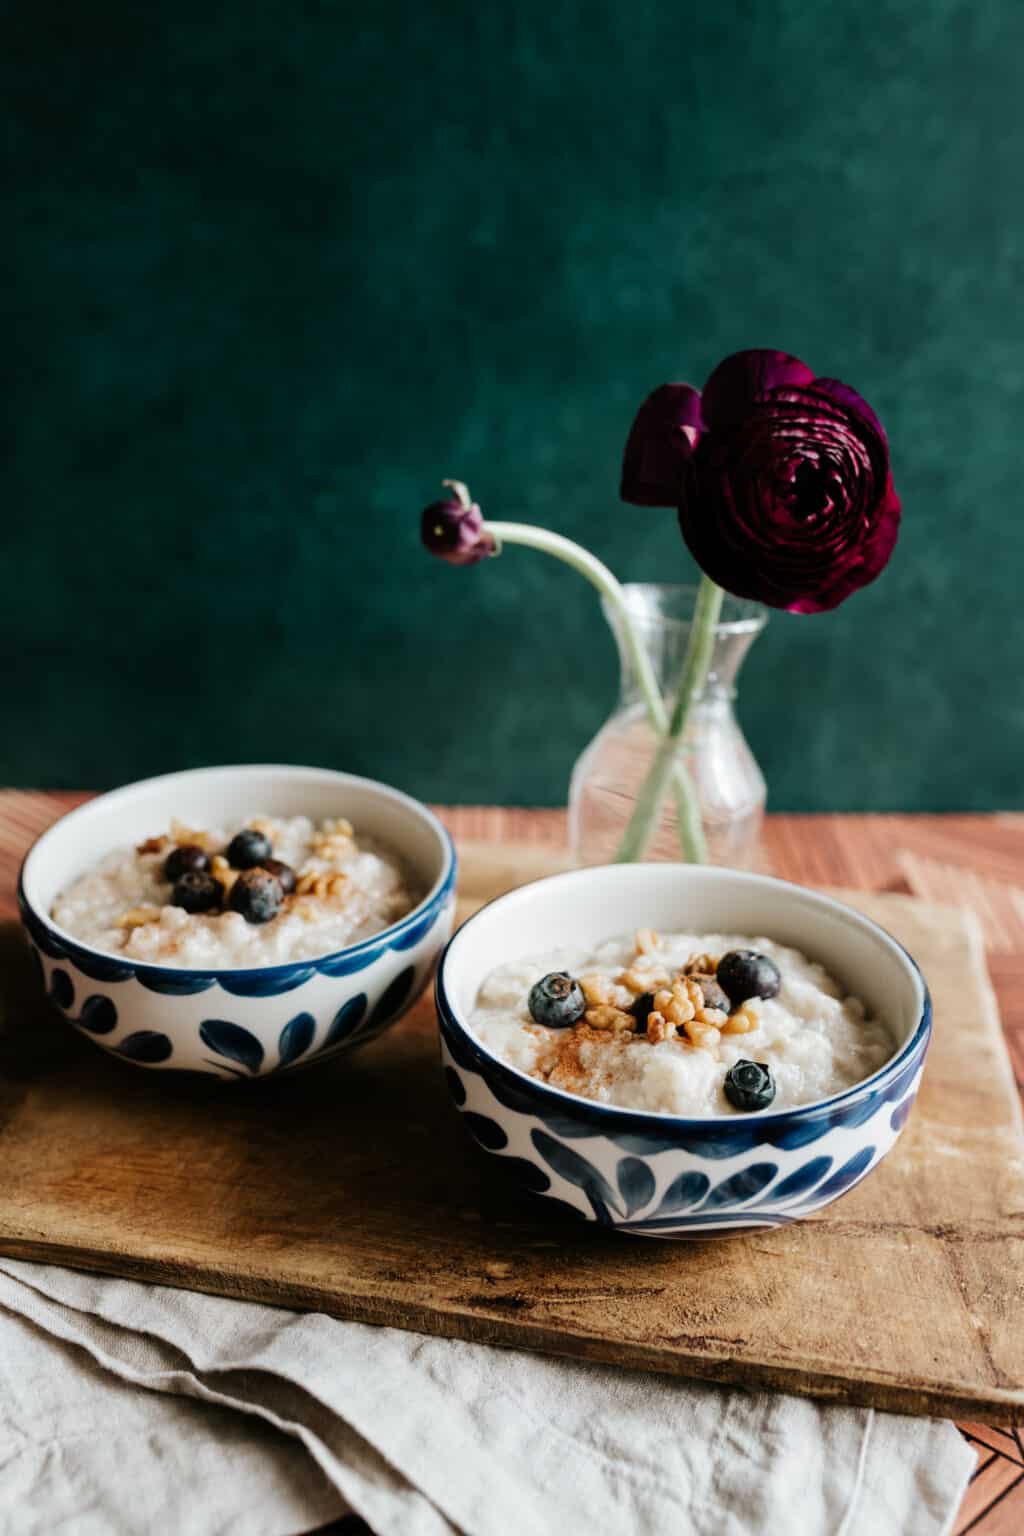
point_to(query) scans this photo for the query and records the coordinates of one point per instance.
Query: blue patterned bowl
(237, 1023)
(665, 1175)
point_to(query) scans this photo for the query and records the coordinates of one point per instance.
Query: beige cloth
(128, 1408)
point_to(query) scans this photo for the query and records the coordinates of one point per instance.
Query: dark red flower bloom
(453, 530)
(787, 496)
(659, 446)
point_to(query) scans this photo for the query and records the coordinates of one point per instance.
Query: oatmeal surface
(346, 888)
(815, 1041)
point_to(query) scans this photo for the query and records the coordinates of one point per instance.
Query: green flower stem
(695, 670)
(610, 588)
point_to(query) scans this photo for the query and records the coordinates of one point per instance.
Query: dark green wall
(275, 269)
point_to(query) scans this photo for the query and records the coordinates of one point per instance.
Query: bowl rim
(647, 1120)
(435, 896)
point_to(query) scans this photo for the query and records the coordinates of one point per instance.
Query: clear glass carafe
(728, 783)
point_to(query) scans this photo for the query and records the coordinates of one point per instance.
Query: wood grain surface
(875, 852)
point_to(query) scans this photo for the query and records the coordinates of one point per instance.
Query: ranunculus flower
(659, 446)
(453, 529)
(787, 495)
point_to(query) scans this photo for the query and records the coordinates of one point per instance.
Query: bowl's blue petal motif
(393, 997)
(636, 1183)
(147, 1045)
(100, 968)
(233, 1041)
(741, 1186)
(419, 930)
(802, 1135)
(640, 1143)
(268, 985)
(899, 1085)
(723, 1143)
(566, 1126)
(170, 984)
(529, 1176)
(487, 1132)
(98, 1016)
(575, 1169)
(348, 964)
(848, 1174)
(898, 1118)
(805, 1178)
(455, 1086)
(62, 989)
(857, 1114)
(685, 1191)
(346, 1020)
(296, 1037)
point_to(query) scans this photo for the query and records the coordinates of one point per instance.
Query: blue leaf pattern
(168, 984)
(147, 1045)
(898, 1118)
(636, 1183)
(528, 1175)
(686, 1190)
(62, 989)
(347, 964)
(346, 1019)
(455, 1086)
(267, 984)
(487, 1132)
(231, 1040)
(803, 1179)
(296, 1037)
(741, 1186)
(413, 935)
(393, 997)
(575, 1169)
(848, 1174)
(98, 1016)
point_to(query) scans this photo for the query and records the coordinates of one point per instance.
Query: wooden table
(973, 860)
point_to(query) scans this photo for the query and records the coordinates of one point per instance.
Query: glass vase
(729, 787)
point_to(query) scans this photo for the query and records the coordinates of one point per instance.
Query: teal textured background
(275, 269)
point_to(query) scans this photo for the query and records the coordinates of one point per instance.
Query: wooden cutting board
(354, 1190)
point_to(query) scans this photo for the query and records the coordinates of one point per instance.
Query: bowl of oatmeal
(239, 921)
(681, 1051)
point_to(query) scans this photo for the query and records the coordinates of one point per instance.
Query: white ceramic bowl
(666, 1175)
(235, 1022)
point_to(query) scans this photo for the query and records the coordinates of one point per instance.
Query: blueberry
(282, 872)
(197, 891)
(641, 1009)
(714, 997)
(248, 848)
(557, 1001)
(189, 859)
(257, 895)
(749, 1085)
(743, 973)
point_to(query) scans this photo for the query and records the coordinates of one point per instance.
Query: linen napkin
(130, 1408)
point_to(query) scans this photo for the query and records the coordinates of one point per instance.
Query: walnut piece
(606, 1016)
(153, 845)
(742, 1021)
(700, 964)
(640, 981)
(222, 872)
(315, 883)
(138, 917)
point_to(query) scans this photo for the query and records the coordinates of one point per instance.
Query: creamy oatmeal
(683, 1024)
(266, 892)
